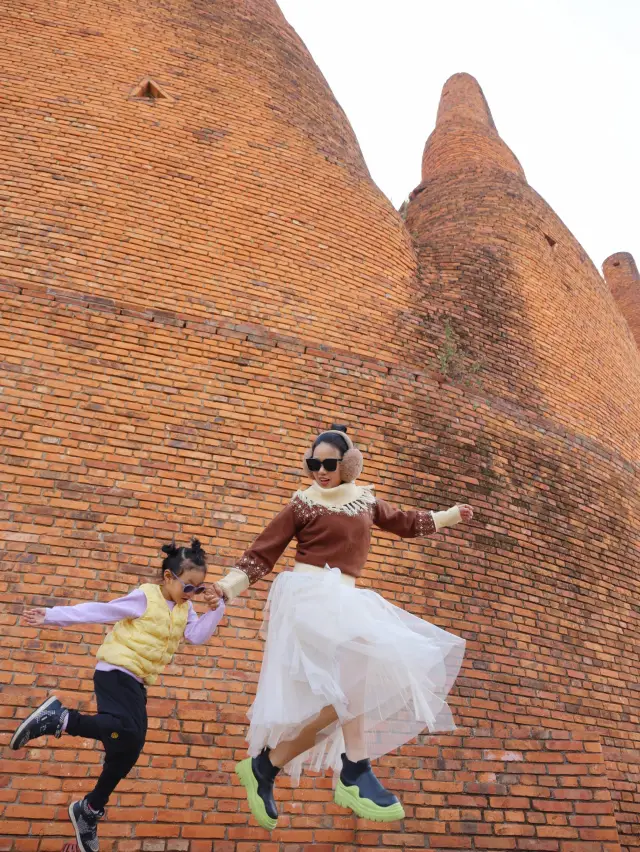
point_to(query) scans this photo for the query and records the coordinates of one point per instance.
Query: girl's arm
(132, 605)
(200, 629)
(259, 559)
(417, 523)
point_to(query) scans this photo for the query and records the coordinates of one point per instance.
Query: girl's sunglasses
(189, 588)
(330, 465)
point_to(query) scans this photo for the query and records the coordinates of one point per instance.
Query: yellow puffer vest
(145, 645)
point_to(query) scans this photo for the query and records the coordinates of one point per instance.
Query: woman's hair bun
(170, 549)
(338, 427)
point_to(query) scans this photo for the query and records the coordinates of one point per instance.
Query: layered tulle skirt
(329, 643)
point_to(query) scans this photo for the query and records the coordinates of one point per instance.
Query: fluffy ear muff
(306, 470)
(351, 466)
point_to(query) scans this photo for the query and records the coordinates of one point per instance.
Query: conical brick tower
(526, 323)
(621, 274)
(198, 273)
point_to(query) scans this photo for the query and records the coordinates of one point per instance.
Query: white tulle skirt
(329, 643)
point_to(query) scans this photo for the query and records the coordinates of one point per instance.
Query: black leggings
(121, 726)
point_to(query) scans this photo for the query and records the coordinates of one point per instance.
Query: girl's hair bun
(338, 427)
(170, 549)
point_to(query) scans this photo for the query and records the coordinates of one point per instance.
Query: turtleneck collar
(348, 498)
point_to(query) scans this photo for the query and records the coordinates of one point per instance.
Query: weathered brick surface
(622, 276)
(189, 290)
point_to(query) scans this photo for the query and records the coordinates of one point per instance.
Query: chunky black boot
(257, 775)
(360, 790)
(85, 824)
(47, 719)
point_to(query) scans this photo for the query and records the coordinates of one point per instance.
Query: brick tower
(527, 323)
(621, 274)
(198, 273)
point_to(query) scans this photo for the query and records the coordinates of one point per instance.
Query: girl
(151, 621)
(346, 676)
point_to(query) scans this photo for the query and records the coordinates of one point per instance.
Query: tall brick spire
(622, 276)
(465, 135)
(522, 323)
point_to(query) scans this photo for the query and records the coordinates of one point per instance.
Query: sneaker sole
(248, 781)
(81, 846)
(349, 797)
(27, 722)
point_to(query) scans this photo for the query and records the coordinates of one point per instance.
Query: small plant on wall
(454, 362)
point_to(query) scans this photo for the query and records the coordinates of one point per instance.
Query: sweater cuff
(447, 519)
(233, 584)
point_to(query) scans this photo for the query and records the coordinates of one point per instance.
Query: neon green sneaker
(359, 790)
(257, 775)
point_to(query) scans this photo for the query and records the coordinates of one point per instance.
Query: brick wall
(189, 291)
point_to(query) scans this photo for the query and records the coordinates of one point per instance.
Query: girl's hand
(213, 595)
(34, 617)
(466, 512)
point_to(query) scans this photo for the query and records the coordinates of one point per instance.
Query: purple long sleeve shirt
(198, 630)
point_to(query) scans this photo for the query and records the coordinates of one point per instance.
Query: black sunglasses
(330, 465)
(189, 588)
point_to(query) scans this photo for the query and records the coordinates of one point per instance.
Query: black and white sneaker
(47, 719)
(85, 824)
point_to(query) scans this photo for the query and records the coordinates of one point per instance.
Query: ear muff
(351, 464)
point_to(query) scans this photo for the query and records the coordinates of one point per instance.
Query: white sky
(562, 78)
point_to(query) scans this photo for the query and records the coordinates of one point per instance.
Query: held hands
(33, 617)
(466, 512)
(213, 596)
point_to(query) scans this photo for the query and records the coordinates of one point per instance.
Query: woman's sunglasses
(189, 588)
(330, 465)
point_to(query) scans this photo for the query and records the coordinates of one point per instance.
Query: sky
(562, 78)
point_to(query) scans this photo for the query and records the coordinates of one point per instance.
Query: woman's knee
(327, 716)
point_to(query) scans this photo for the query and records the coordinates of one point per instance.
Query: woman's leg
(306, 739)
(258, 774)
(354, 739)
(358, 788)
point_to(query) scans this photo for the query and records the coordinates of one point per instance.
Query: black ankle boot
(360, 790)
(258, 776)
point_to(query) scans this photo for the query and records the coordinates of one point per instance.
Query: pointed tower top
(465, 135)
(463, 100)
(622, 276)
(620, 266)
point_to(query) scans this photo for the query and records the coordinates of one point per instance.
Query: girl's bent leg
(121, 725)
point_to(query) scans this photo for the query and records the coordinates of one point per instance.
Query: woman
(346, 676)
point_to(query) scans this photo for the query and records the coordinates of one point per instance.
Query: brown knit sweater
(331, 537)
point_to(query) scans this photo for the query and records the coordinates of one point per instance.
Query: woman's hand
(33, 617)
(466, 512)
